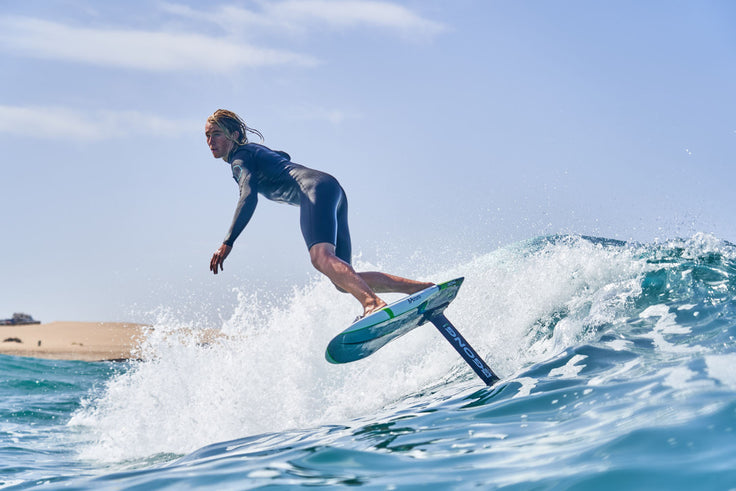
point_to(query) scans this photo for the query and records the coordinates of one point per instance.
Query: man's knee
(321, 254)
(319, 259)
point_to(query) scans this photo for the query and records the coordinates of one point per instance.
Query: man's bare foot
(369, 309)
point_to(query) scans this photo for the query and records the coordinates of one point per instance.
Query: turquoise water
(617, 366)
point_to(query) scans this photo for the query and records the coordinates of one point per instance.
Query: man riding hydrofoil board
(323, 209)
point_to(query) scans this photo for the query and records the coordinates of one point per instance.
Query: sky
(456, 127)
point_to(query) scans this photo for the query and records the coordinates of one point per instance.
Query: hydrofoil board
(365, 336)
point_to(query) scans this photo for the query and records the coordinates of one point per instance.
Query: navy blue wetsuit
(324, 206)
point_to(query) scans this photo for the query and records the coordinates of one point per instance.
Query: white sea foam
(722, 368)
(268, 372)
(570, 369)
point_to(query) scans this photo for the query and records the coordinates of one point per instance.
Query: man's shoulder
(260, 150)
(244, 155)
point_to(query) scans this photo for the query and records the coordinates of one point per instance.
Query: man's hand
(219, 257)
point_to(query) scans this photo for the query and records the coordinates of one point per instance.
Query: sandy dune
(87, 341)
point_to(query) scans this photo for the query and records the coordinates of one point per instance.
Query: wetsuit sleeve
(246, 205)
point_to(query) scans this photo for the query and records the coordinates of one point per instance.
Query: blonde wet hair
(230, 123)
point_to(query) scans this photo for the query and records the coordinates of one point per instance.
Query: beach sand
(86, 341)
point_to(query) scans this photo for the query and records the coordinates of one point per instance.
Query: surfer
(323, 209)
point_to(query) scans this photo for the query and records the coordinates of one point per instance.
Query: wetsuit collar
(235, 148)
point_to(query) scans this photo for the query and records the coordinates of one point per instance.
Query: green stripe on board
(391, 315)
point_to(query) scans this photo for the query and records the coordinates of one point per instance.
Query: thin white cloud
(353, 13)
(166, 51)
(138, 49)
(60, 123)
(300, 16)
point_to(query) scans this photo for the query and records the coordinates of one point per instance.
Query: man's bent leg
(385, 283)
(344, 276)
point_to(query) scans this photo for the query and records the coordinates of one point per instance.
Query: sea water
(617, 365)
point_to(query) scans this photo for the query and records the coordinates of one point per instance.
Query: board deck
(367, 335)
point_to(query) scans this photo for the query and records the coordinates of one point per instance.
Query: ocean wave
(544, 313)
